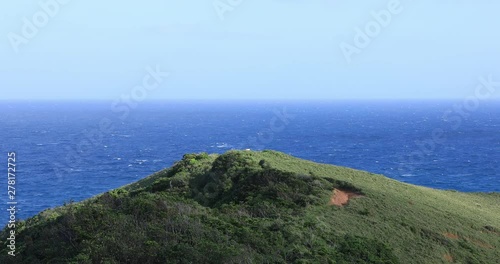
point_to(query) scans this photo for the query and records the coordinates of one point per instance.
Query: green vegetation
(264, 207)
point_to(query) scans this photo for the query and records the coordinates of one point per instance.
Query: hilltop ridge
(264, 207)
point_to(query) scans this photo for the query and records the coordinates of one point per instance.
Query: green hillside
(264, 207)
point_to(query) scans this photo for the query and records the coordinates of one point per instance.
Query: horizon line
(240, 99)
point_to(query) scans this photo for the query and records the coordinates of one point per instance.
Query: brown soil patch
(475, 241)
(341, 198)
(450, 235)
(448, 258)
(481, 243)
(494, 232)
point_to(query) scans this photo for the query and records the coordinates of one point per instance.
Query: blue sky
(272, 49)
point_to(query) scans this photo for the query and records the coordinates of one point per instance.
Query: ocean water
(74, 150)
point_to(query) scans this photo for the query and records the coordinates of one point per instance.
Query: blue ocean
(70, 151)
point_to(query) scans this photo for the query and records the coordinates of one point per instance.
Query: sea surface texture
(70, 151)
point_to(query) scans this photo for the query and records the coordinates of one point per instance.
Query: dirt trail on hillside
(341, 198)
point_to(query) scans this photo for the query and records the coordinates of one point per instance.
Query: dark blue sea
(74, 150)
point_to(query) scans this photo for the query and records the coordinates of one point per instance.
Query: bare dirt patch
(480, 243)
(448, 258)
(450, 235)
(470, 240)
(342, 197)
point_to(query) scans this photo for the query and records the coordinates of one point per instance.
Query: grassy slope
(415, 224)
(399, 213)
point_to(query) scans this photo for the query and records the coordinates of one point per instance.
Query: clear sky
(261, 49)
